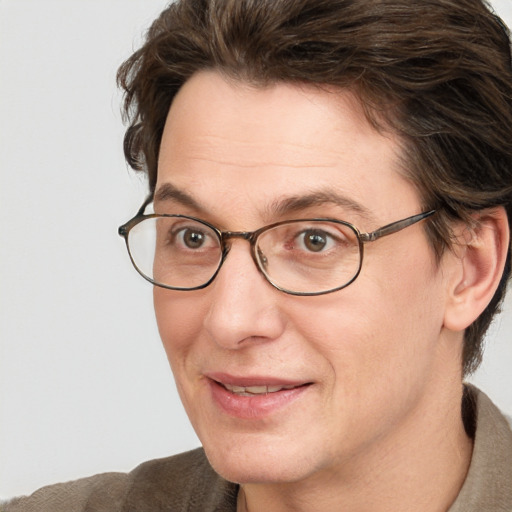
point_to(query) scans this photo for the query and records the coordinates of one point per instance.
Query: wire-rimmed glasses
(299, 257)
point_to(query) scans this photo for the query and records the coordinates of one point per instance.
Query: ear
(477, 262)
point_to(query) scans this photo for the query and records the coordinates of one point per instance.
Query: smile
(252, 398)
(255, 390)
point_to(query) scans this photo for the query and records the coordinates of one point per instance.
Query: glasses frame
(252, 237)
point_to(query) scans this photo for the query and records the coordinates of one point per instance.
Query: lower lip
(256, 406)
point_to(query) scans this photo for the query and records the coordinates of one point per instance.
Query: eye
(191, 238)
(314, 240)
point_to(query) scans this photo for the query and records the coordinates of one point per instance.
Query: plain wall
(84, 383)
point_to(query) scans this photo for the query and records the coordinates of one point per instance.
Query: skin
(379, 426)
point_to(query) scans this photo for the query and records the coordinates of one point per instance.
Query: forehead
(224, 138)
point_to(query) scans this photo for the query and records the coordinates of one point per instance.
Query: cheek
(178, 318)
(380, 333)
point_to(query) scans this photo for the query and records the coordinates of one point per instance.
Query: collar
(488, 484)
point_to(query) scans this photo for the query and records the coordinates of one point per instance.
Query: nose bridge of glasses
(250, 236)
(246, 235)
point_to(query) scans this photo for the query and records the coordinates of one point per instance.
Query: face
(283, 388)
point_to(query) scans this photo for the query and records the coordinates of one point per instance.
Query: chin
(254, 463)
(243, 472)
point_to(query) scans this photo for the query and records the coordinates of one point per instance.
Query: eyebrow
(169, 192)
(280, 207)
(318, 198)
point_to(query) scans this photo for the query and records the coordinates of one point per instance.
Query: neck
(412, 469)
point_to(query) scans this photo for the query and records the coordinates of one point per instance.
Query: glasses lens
(309, 256)
(177, 252)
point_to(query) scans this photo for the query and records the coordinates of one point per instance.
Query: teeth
(255, 390)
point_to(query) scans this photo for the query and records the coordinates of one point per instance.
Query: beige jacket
(186, 482)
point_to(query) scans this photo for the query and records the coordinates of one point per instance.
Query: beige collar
(488, 485)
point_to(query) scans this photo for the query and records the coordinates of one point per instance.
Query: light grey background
(84, 383)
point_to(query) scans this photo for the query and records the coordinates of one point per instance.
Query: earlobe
(478, 261)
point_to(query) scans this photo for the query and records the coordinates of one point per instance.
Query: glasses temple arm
(123, 230)
(389, 229)
(148, 200)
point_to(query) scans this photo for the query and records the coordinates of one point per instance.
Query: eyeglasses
(298, 257)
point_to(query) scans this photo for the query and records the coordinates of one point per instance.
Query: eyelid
(334, 233)
(329, 227)
(180, 224)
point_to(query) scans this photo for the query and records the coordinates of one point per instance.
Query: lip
(256, 406)
(244, 381)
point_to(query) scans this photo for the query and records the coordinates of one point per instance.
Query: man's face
(362, 366)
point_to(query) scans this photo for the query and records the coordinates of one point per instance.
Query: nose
(243, 307)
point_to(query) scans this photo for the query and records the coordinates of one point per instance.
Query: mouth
(256, 390)
(254, 397)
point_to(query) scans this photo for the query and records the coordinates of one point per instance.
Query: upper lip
(253, 380)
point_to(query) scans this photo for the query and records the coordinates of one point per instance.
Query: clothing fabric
(182, 483)
(187, 483)
(488, 484)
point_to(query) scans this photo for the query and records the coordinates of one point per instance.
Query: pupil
(193, 239)
(315, 242)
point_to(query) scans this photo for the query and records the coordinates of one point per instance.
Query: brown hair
(437, 72)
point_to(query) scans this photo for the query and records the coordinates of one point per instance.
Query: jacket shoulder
(173, 483)
(182, 482)
(93, 494)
